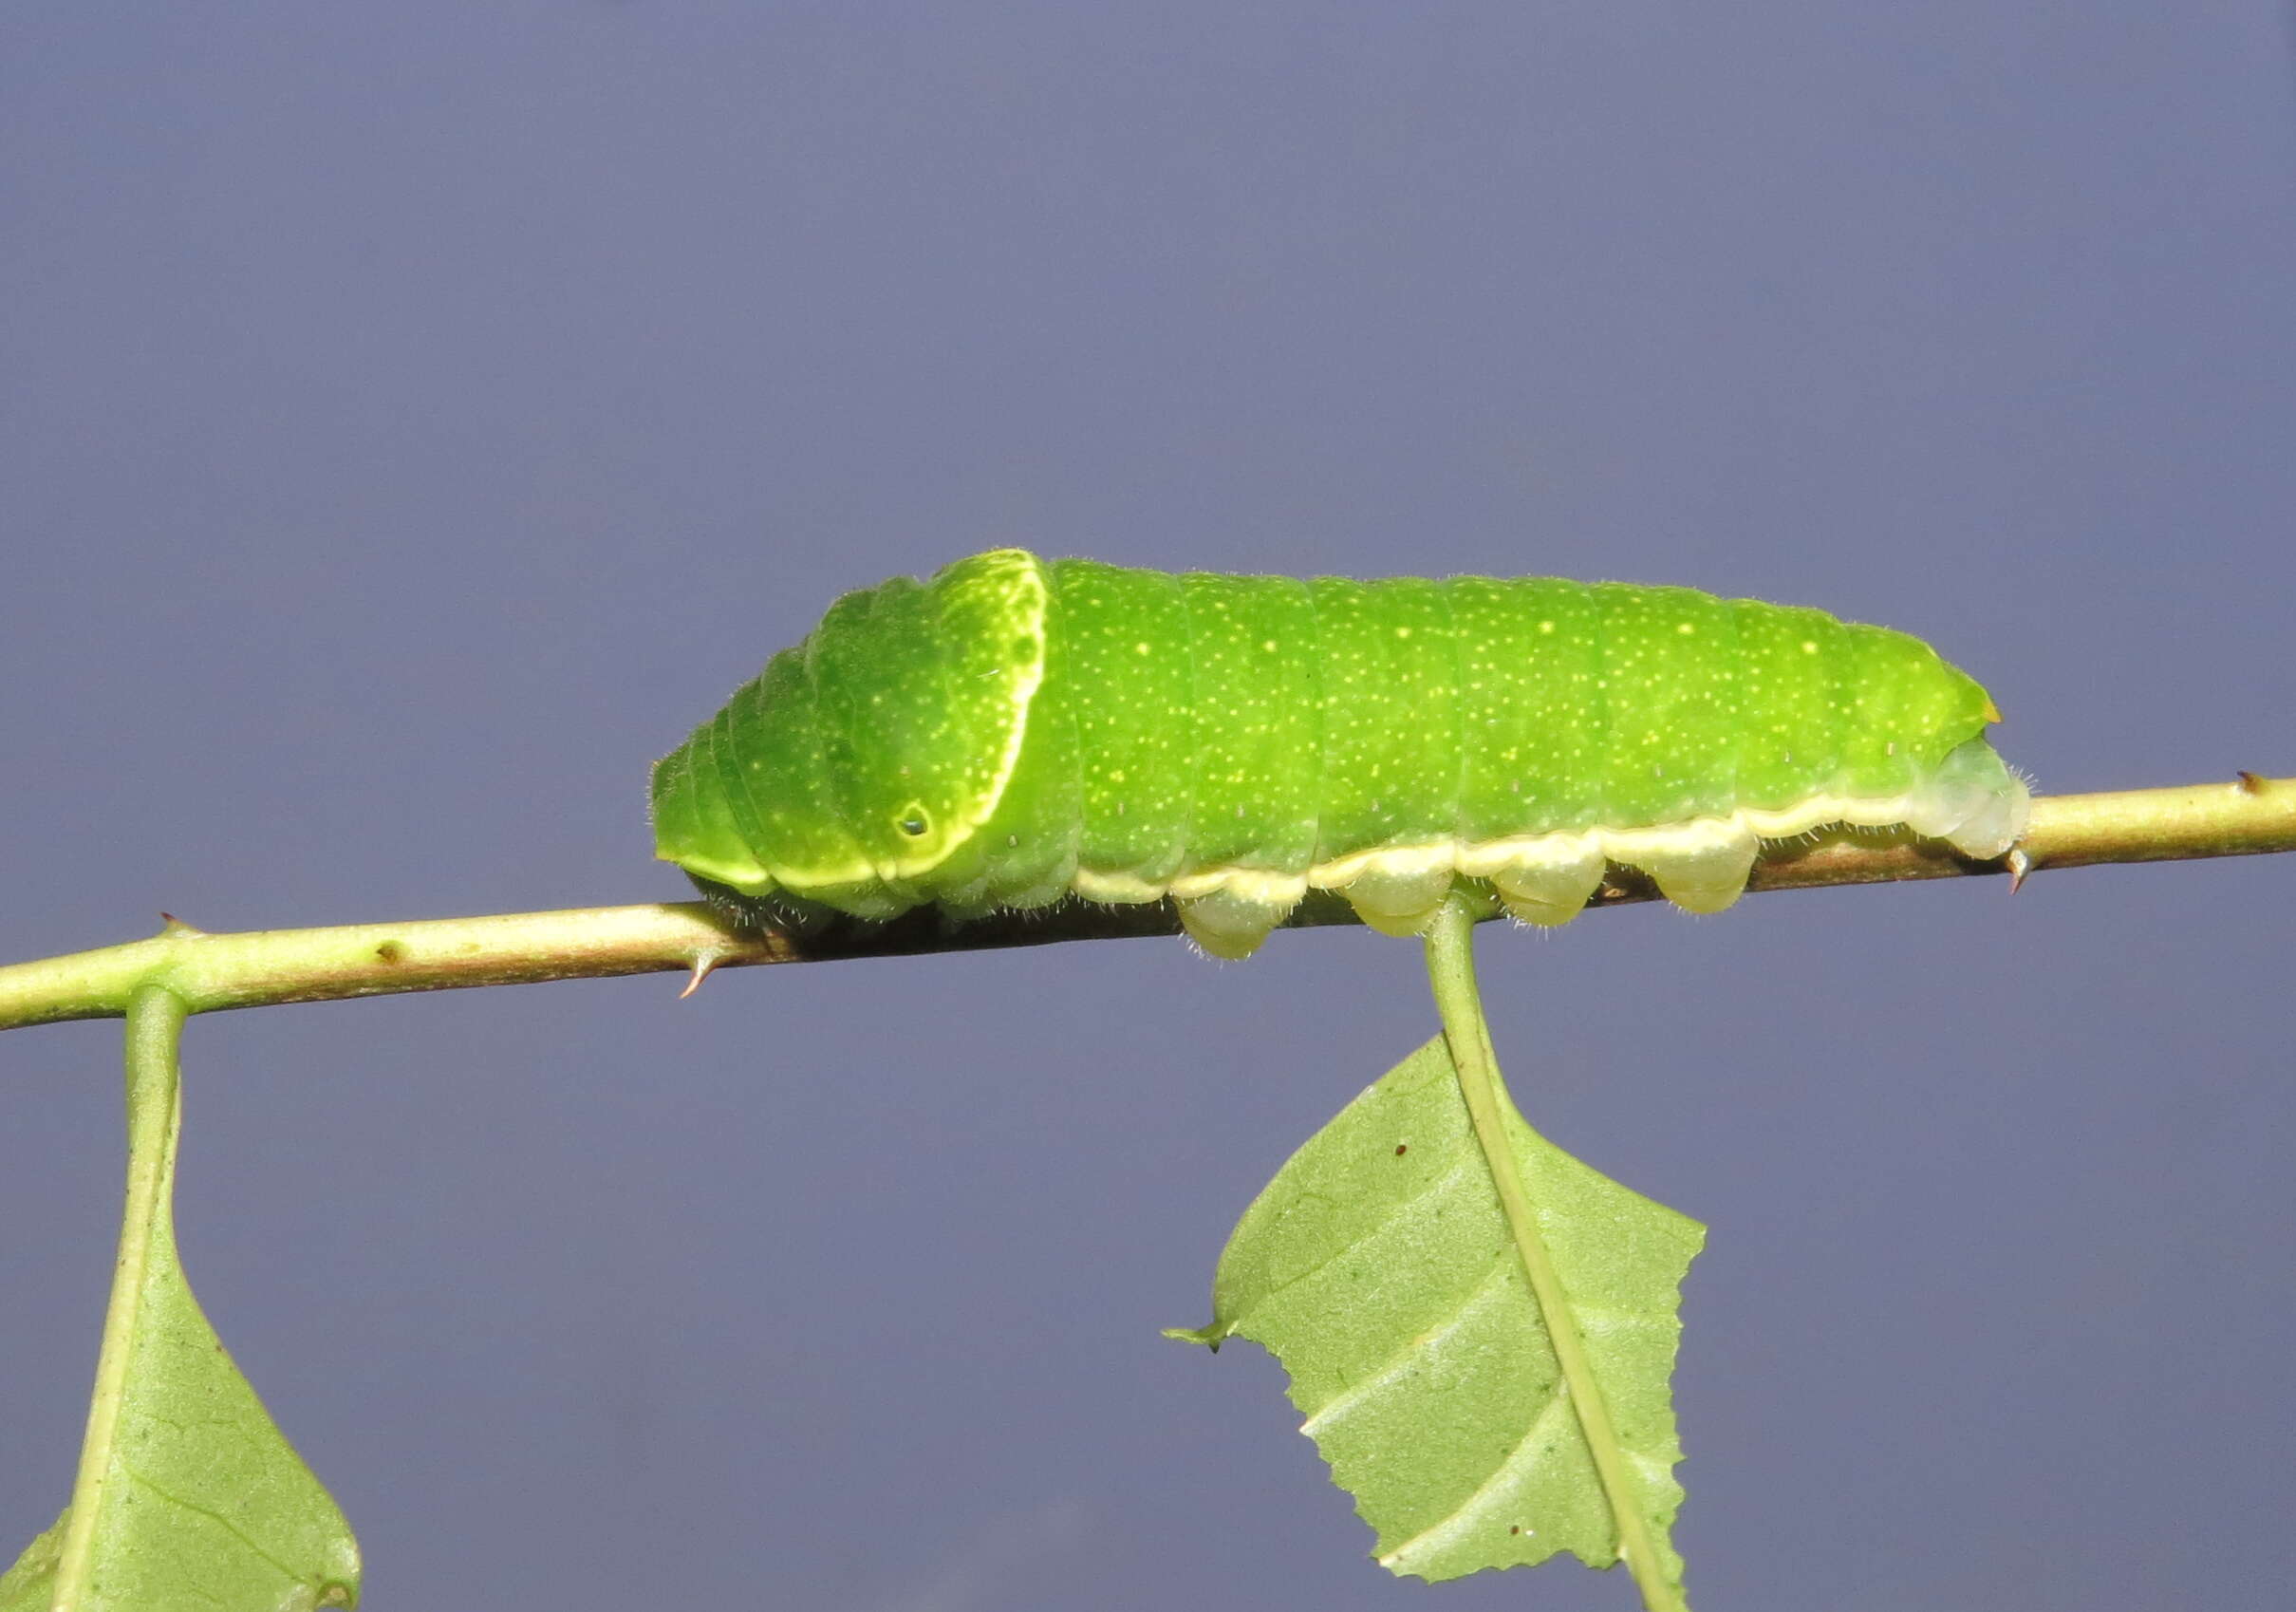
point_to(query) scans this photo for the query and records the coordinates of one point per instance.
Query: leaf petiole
(155, 1029)
(187, 1494)
(1450, 959)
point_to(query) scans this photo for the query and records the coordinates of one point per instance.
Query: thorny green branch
(209, 972)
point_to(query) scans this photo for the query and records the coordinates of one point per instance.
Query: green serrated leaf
(188, 1497)
(1379, 1269)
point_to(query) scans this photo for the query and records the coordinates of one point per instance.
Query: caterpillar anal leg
(1996, 826)
(1973, 803)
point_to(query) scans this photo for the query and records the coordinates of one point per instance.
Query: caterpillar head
(857, 771)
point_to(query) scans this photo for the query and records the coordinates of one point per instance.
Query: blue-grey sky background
(413, 418)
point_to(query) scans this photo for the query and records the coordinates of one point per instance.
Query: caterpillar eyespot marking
(1014, 732)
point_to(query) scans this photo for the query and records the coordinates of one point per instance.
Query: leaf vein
(258, 1552)
(1470, 1511)
(1412, 1349)
(1403, 1207)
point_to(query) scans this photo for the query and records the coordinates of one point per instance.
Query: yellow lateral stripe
(1629, 847)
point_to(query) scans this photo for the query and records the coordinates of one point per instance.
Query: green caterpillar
(1017, 730)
